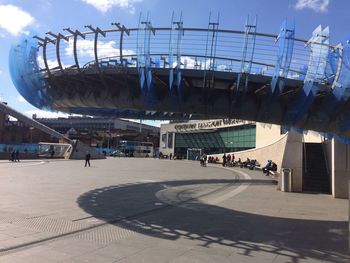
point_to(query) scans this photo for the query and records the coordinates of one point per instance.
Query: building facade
(103, 132)
(316, 164)
(96, 124)
(216, 136)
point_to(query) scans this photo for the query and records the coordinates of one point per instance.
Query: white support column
(332, 170)
(341, 169)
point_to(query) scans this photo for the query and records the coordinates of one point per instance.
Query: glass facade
(237, 138)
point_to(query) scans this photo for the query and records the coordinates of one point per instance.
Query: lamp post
(31, 133)
(109, 132)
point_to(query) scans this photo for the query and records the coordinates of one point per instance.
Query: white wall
(266, 134)
(312, 136)
(293, 159)
(274, 152)
(163, 146)
(341, 170)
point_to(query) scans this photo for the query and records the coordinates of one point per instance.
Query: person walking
(224, 158)
(17, 155)
(87, 159)
(13, 156)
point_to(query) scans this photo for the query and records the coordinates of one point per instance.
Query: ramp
(29, 121)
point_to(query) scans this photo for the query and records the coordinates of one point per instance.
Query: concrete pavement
(149, 210)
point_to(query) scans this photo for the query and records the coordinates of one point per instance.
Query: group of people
(212, 159)
(14, 157)
(228, 160)
(248, 163)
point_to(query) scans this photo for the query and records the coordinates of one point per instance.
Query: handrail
(228, 58)
(195, 29)
(92, 62)
(21, 117)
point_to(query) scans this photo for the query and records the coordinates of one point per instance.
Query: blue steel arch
(26, 74)
(157, 73)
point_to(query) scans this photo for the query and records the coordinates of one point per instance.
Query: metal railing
(175, 48)
(21, 117)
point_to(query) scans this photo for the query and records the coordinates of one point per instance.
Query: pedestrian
(224, 158)
(13, 156)
(17, 155)
(229, 160)
(205, 160)
(52, 153)
(87, 159)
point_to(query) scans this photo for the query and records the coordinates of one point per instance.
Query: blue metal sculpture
(185, 73)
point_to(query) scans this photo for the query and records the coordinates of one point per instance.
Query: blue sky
(20, 16)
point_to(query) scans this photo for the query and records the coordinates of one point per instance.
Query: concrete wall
(80, 149)
(312, 136)
(22, 156)
(286, 152)
(274, 152)
(340, 169)
(267, 134)
(293, 159)
(338, 161)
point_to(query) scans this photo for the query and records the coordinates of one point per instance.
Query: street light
(31, 133)
(109, 133)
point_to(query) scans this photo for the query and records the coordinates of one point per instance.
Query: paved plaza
(150, 210)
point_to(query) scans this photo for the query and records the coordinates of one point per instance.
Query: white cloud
(156, 123)
(14, 20)
(105, 5)
(46, 114)
(85, 49)
(86, 53)
(315, 5)
(21, 99)
(50, 63)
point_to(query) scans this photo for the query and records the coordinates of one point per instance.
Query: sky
(18, 17)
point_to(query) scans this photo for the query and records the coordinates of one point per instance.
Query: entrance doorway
(194, 154)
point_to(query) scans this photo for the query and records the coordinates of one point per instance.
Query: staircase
(315, 173)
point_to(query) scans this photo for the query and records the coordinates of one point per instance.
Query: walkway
(147, 210)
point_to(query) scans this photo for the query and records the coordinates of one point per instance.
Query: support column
(340, 169)
(293, 158)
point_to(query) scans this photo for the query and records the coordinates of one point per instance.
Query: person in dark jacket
(13, 156)
(224, 158)
(17, 156)
(87, 159)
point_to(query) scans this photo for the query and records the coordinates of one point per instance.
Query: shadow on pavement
(171, 210)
